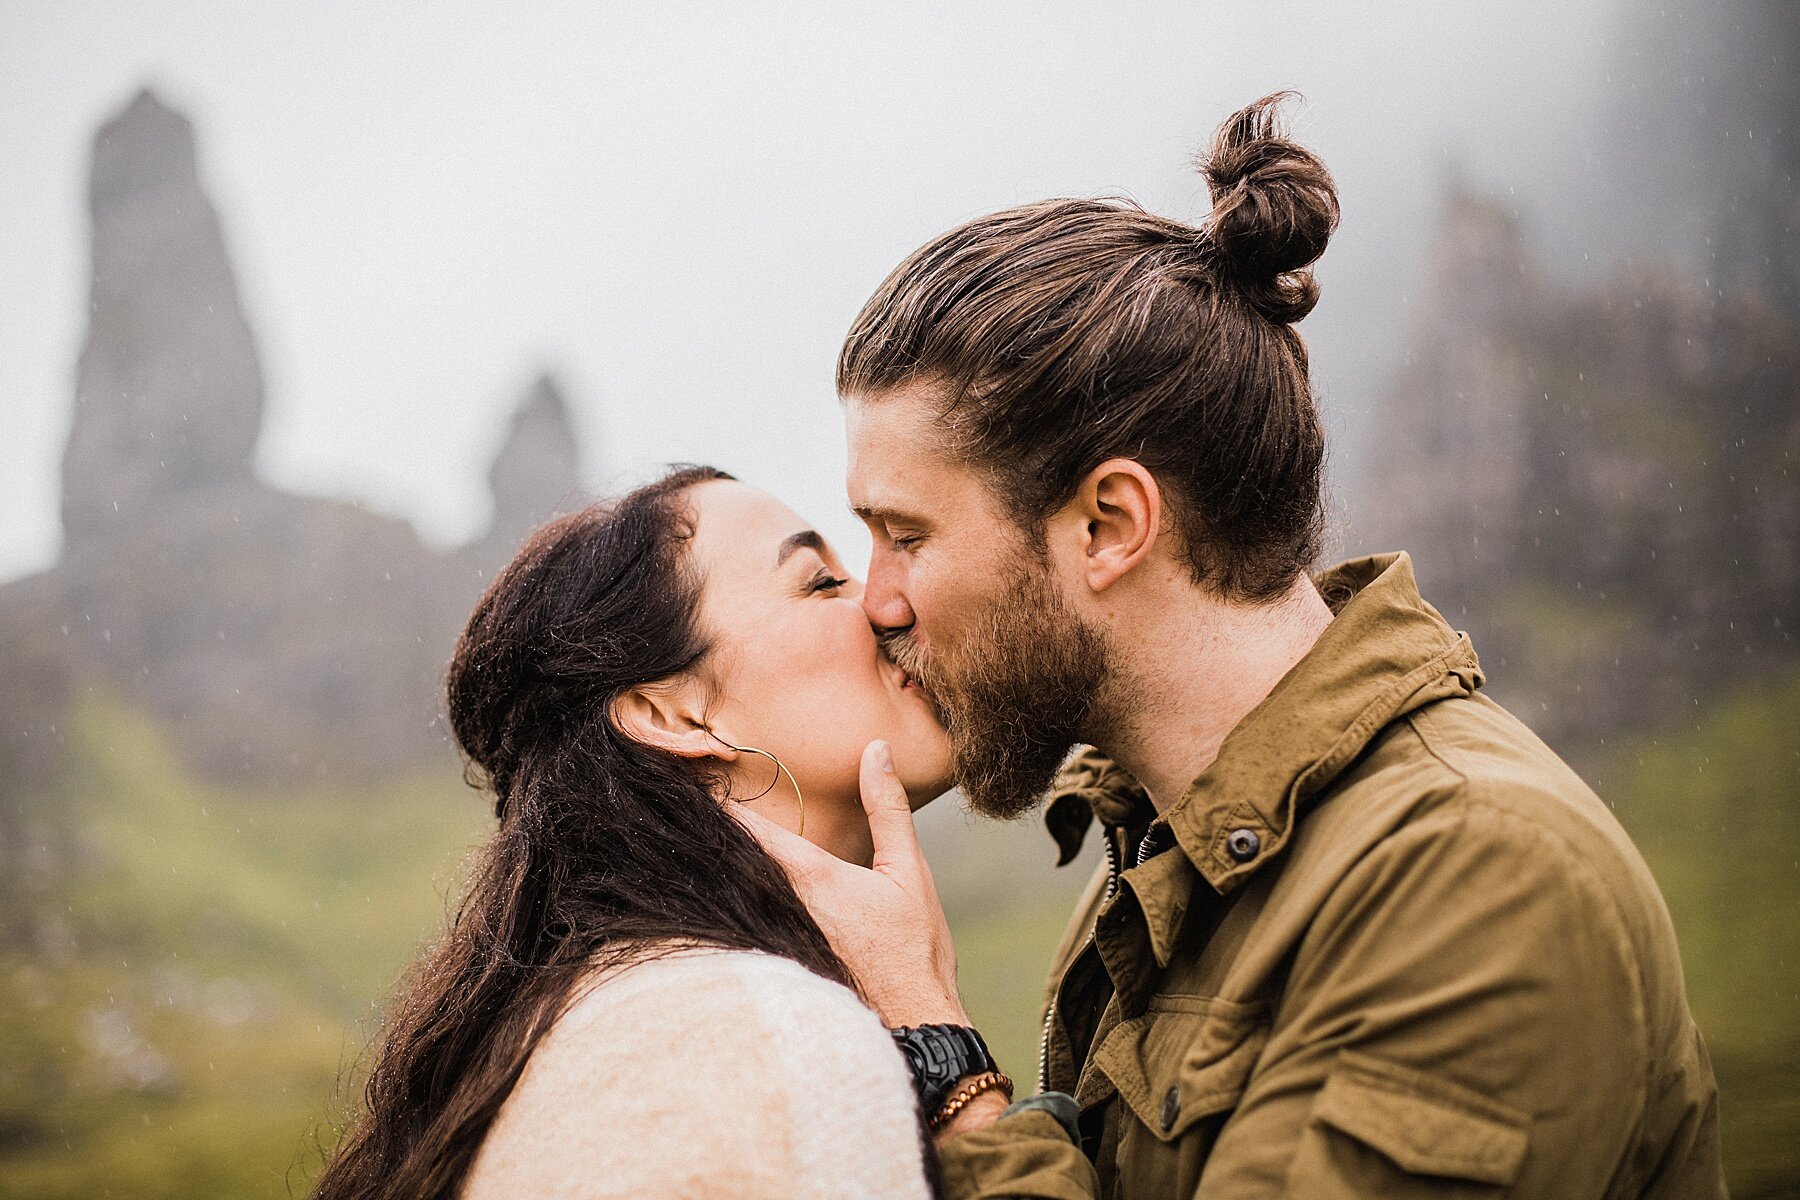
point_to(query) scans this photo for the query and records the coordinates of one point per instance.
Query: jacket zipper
(1112, 886)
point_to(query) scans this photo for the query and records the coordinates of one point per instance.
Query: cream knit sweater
(709, 1074)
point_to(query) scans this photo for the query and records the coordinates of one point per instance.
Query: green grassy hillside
(201, 969)
(204, 969)
(201, 973)
(1715, 807)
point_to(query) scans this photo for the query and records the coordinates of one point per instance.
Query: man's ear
(1120, 507)
(669, 715)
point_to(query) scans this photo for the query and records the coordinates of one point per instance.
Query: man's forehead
(884, 451)
(905, 484)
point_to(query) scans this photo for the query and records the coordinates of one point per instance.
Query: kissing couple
(1358, 932)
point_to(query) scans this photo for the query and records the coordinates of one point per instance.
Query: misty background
(680, 207)
(313, 311)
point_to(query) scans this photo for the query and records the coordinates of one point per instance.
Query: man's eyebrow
(875, 512)
(806, 539)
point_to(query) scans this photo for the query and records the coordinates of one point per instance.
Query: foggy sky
(679, 207)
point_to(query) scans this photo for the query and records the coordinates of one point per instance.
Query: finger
(889, 811)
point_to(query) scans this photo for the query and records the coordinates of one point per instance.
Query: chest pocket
(1180, 1070)
(1381, 1129)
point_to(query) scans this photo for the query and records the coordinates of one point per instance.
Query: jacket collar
(1385, 654)
(1092, 786)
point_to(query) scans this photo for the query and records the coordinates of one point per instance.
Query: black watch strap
(941, 1056)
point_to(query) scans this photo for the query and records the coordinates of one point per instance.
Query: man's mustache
(905, 652)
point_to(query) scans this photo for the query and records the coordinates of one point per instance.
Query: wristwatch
(941, 1056)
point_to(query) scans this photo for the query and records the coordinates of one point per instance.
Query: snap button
(1171, 1108)
(1243, 844)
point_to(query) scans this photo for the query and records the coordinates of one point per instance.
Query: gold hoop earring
(780, 770)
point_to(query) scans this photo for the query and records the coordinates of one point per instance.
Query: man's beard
(1021, 691)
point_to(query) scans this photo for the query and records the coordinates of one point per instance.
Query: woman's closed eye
(825, 581)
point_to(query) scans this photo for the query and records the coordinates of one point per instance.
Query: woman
(631, 999)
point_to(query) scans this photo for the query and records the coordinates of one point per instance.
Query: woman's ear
(669, 716)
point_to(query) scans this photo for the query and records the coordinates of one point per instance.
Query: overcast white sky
(680, 206)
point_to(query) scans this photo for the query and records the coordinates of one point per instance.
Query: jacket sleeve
(1023, 1155)
(1464, 1016)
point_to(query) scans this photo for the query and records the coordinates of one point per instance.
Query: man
(1360, 933)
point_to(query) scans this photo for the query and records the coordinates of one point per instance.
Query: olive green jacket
(1388, 944)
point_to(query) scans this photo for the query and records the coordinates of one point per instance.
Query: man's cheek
(943, 613)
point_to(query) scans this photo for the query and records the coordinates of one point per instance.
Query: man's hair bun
(1274, 209)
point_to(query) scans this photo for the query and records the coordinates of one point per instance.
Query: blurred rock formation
(537, 473)
(275, 636)
(1601, 478)
(169, 398)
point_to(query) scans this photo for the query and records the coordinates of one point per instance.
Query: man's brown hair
(1064, 333)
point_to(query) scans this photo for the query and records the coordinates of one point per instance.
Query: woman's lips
(903, 679)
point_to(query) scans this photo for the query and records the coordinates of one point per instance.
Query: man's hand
(979, 1113)
(884, 921)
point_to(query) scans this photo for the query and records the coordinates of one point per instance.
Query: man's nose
(883, 600)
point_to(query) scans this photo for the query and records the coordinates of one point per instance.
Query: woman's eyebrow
(806, 539)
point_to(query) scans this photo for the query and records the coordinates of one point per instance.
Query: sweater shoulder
(767, 1023)
(705, 1073)
(750, 991)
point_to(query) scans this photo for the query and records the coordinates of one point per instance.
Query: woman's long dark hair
(604, 844)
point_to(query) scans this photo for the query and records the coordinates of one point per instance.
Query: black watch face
(941, 1056)
(915, 1056)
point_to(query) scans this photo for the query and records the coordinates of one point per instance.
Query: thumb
(889, 810)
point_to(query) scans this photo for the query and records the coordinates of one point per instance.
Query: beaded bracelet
(984, 1082)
